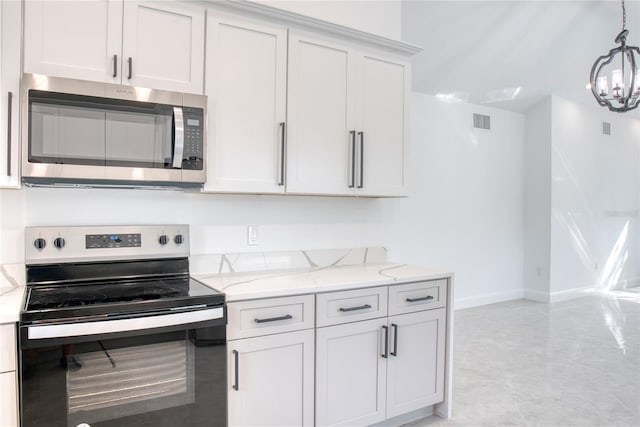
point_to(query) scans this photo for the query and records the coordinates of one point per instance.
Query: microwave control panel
(193, 138)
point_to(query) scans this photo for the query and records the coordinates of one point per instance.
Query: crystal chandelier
(623, 64)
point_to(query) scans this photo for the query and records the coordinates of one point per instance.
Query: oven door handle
(122, 325)
(178, 142)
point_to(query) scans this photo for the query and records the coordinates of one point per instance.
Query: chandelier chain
(624, 16)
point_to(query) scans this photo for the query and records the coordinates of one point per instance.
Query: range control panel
(104, 243)
(99, 241)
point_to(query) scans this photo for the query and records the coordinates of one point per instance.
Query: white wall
(595, 200)
(537, 205)
(466, 194)
(381, 17)
(218, 221)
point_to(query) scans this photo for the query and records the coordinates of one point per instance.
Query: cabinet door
(351, 374)
(416, 361)
(274, 380)
(383, 84)
(8, 399)
(74, 39)
(163, 46)
(246, 89)
(9, 93)
(320, 116)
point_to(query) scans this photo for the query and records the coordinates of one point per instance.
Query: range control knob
(59, 242)
(179, 239)
(163, 240)
(40, 243)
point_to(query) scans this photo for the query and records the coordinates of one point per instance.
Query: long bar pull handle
(361, 184)
(115, 65)
(130, 64)
(178, 142)
(360, 307)
(385, 355)
(236, 385)
(9, 112)
(282, 153)
(395, 340)
(274, 319)
(352, 182)
(428, 297)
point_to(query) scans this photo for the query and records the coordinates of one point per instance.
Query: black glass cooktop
(65, 296)
(116, 298)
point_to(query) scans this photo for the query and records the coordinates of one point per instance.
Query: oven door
(169, 376)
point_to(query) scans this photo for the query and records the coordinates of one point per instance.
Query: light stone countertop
(12, 287)
(267, 284)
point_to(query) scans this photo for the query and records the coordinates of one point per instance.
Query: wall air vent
(481, 121)
(606, 128)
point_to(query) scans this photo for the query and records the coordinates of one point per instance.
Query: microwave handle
(178, 143)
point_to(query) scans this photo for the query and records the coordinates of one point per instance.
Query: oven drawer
(351, 306)
(269, 316)
(8, 347)
(417, 296)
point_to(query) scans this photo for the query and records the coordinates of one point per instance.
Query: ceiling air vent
(606, 128)
(481, 121)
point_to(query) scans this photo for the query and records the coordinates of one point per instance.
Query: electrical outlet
(252, 235)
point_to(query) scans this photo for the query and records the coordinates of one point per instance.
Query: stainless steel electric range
(114, 332)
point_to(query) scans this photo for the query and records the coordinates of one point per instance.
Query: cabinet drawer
(8, 347)
(269, 316)
(351, 306)
(417, 296)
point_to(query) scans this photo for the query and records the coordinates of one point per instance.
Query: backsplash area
(284, 260)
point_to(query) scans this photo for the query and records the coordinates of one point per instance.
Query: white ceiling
(511, 54)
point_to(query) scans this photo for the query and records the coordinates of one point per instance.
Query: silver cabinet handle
(130, 63)
(352, 178)
(236, 385)
(178, 143)
(360, 307)
(361, 184)
(282, 153)
(274, 319)
(9, 112)
(395, 340)
(428, 297)
(115, 65)
(385, 355)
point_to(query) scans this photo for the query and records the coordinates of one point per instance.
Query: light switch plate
(252, 235)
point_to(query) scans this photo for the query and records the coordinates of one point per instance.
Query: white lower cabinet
(8, 400)
(373, 370)
(415, 367)
(367, 356)
(271, 380)
(351, 374)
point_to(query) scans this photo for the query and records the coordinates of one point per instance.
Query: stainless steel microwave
(81, 133)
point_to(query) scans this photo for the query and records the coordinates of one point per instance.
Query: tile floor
(572, 363)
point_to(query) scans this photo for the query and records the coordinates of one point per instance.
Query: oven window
(169, 379)
(108, 384)
(82, 130)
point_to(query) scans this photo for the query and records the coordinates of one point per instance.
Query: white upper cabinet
(383, 83)
(10, 12)
(321, 120)
(74, 39)
(347, 113)
(152, 44)
(246, 86)
(163, 46)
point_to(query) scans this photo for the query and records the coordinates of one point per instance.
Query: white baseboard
(565, 295)
(534, 295)
(569, 294)
(478, 300)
